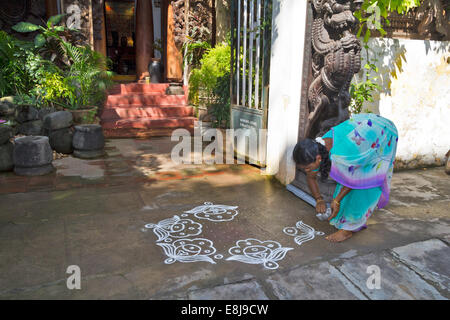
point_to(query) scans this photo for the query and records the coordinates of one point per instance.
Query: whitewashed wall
(288, 33)
(418, 100)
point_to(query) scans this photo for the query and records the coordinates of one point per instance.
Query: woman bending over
(359, 155)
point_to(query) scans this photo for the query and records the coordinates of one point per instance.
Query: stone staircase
(142, 110)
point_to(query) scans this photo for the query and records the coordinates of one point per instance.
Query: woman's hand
(320, 206)
(334, 209)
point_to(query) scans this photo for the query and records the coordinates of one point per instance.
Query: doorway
(121, 36)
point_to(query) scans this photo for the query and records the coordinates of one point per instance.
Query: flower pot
(85, 115)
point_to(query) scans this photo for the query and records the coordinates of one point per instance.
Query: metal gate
(251, 25)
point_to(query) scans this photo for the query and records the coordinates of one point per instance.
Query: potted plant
(76, 77)
(90, 79)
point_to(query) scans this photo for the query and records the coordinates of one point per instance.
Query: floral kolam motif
(189, 250)
(307, 232)
(214, 212)
(254, 251)
(175, 228)
(173, 238)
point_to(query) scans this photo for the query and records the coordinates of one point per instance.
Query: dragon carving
(335, 59)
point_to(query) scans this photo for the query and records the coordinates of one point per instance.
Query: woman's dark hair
(306, 151)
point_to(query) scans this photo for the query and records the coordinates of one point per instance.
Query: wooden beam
(51, 8)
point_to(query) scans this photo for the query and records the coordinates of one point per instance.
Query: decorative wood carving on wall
(200, 20)
(12, 12)
(179, 21)
(335, 59)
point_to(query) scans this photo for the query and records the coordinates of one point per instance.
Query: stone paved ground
(92, 213)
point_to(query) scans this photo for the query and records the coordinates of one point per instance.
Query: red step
(153, 112)
(144, 99)
(143, 87)
(142, 133)
(149, 123)
(138, 88)
(115, 90)
(143, 110)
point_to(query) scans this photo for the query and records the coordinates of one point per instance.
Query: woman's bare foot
(339, 236)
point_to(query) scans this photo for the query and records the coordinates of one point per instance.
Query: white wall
(288, 32)
(418, 100)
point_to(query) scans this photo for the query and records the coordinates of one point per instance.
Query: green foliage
(361, 91)
(54, 69)
(25, 27)
(370, 17)
(211, 81)
(54, 89)
(220, 109)
(11, 56)
(21, 67)
(371, 12)
(193, 52)
(364, 90)
(46, 33)
(88, 75)
(51, 41)
(53, 21)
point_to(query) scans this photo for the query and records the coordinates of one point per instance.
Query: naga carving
(335, 59)
(13, 12)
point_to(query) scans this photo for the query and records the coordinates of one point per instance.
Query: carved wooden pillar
(331, 58)
(144, 37)
(335, 58)
(173, 55)
(51, 8)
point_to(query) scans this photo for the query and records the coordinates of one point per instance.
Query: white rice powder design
(172, 236)
(189, 250)
(307, 232)
(175, 228)
(214, 212)
(254, 251)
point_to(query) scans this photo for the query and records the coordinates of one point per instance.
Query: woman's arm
(314, 188)
(335, 204)
(344, 191)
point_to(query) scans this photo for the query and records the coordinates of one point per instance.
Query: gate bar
(244, 63)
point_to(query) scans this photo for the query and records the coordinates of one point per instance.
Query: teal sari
(362, 158)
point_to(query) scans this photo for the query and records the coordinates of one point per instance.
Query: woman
(359, 155)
